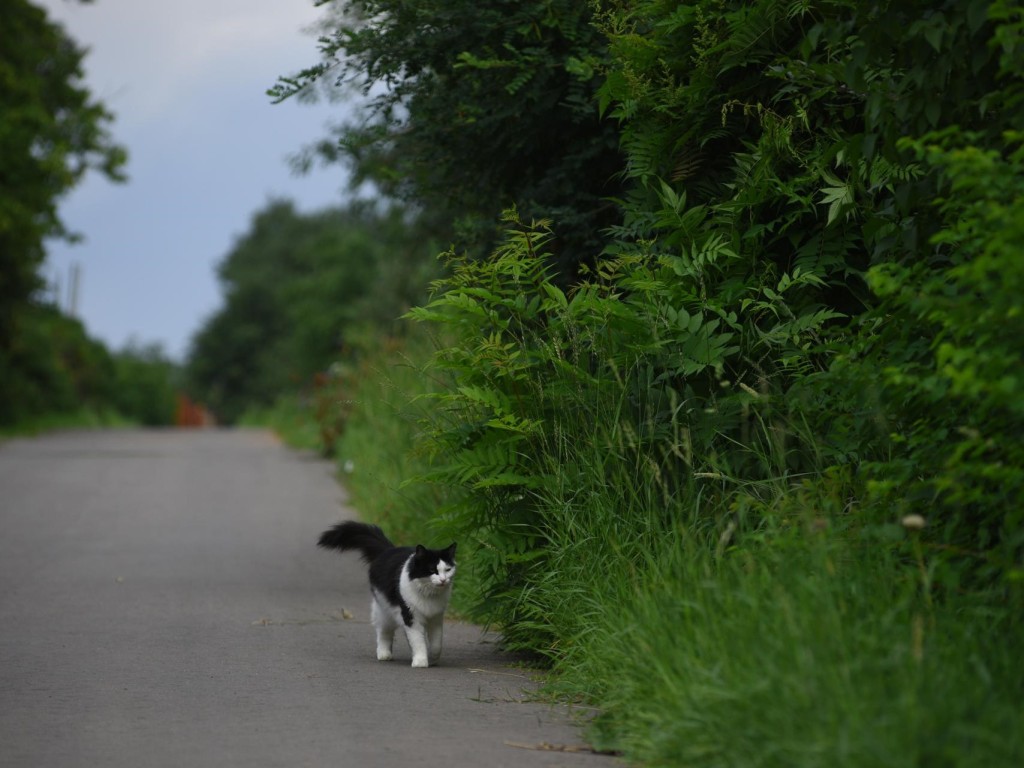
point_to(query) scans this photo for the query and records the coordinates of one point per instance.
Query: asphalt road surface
(163, 603)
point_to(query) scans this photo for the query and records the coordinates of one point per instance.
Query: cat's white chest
(427, 597)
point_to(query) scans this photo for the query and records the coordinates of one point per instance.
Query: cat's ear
(451, 549)
(420, 550)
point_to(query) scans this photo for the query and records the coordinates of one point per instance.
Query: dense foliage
(57, 374)
(752, 481)
(781, 247)
(484, 105)
(54, 368)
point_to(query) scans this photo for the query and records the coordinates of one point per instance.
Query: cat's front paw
(384, 655)
(420, 661)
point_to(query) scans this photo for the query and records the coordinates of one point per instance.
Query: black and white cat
(410, 587)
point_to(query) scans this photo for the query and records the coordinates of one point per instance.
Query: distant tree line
(54, 370)
(300, 292)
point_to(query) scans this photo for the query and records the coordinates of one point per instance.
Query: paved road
(162, 603)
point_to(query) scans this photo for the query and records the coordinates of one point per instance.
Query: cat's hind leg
(385, 625)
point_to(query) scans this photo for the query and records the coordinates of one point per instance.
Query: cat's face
(445, 574)
(438, 565)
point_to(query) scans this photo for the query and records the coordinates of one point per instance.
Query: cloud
(146, 58)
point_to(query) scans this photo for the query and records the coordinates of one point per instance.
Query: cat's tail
(368, 540)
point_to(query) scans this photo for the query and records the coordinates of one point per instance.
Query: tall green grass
(717, 621)
(712, 622)
(797, 657)
(806, 641)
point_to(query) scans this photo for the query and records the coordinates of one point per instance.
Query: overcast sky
(186, 81)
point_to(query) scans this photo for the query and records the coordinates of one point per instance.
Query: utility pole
(55, 295)
(74, 283)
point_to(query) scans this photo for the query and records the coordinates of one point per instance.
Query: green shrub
(53, 373)
(957, 402)
(637, 349)
(145, 385)
(52, 367)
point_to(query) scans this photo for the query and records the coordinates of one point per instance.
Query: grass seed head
(913, 522)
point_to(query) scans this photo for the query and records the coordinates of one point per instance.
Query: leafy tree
(475, 107)
(295, 286)
(144, 385)
(52, 133)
